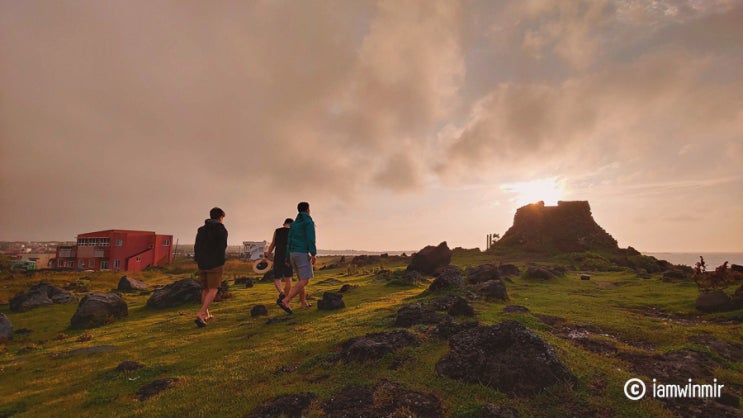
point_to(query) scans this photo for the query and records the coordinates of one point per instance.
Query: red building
(117, 249)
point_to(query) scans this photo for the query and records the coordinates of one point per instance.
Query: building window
(91, 263)
(166, 243)
(117, 264)
(119, 242)
(139, 259)
(104, 264)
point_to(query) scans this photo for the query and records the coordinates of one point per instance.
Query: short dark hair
(288, 221)
(216, 213)
(303, 207)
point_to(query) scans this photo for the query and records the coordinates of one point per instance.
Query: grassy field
(239, 362)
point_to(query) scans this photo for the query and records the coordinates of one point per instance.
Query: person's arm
(271, 247)
(311, 240)
(196, 245)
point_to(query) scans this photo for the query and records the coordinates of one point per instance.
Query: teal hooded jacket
(302, 235)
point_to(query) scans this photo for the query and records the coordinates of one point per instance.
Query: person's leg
(287, 285)
(277, 284)
(303, 297)
(296, 289)
(213, 279)
(208, 299)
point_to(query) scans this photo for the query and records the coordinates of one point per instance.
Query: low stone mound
(246, 281)
(428, 312)
(415, 314)
(385, 399)
(482, 273)
(128, 284)
(493, 290)
(377, 345)
(448, 328)
(498, 411)
(714, 301)
(330, 301)
(41, 294)
(509, 270)
(129, 366)
(515, 309)
(153, 388)
(431, 258)
(290, 406)
(176, 294)
(536, 272)
(6, 328)
(449, 277)
(507, 357)
(258, 310)
(96, 309)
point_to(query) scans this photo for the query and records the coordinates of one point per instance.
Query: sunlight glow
(550, 190)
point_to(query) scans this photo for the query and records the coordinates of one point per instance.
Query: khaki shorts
(212, 278)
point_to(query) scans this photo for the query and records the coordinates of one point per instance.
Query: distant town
(34, 255)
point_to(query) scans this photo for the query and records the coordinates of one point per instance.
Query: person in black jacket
(282, 271)
(209, 249)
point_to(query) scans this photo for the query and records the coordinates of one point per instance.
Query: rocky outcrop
(128, 284)
(431, 258)
(377, 345)
(385, 399)
(258, 310)
(569, 227)
(330, 301)
(290, 406)
(713, 301)
(507, 357)
(153, 388)
(39, 295)
(176, 294)
(98, 309)
(448, 277)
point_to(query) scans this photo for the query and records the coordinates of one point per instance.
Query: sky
(402, 123)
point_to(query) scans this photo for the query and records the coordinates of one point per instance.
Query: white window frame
(117, 264)
(166, 243)
(119, 242)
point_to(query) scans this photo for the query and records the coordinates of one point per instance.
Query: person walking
(302, 253)
(209, 253)
(282, 270)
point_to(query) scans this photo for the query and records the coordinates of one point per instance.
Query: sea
(712, 260)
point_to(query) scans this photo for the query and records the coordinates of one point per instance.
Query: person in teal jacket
(302, 253)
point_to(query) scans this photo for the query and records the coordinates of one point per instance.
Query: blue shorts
(301, 264)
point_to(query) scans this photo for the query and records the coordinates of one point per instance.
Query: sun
(549, 190)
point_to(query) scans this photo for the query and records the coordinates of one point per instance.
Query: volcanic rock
(127, 283)
(493, 290)
(376, 345)
(258, 310)
(507, 357)
(175, 294)
(431, 258)
(154, 387)
(713, 301)
(482, 273)
(290, 406)
(39, 295)
(449, 277)
(96, 309)
(330, 301)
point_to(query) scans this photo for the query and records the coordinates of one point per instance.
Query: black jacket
(211, 243)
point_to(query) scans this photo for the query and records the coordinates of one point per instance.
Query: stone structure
(569, 226)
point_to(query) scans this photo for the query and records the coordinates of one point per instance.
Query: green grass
(238, 362)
